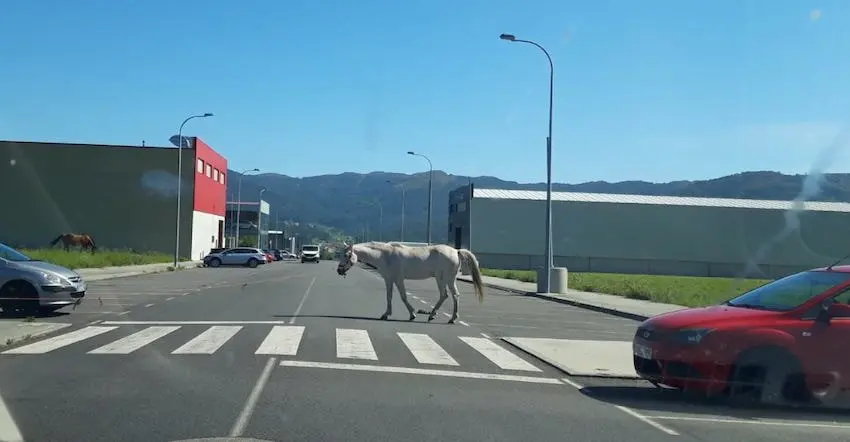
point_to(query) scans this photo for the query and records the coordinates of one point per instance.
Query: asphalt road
(278, 353)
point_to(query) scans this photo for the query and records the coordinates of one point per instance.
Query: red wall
(210, 194)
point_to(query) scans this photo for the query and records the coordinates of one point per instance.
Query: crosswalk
(280, 340)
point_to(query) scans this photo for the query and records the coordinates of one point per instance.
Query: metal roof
(613, 198)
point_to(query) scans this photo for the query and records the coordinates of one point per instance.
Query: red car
(787, 340)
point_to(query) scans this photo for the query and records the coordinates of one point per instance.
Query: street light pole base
(558, 279)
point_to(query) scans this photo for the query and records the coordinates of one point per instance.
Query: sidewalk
(613, 305)
(98, 274)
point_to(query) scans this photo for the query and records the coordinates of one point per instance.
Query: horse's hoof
(412, 317)
(451, 321)
(430, 318)
(384, 317)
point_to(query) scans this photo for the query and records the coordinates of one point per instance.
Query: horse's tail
(91, 242)
(53, 243)
(472, 261)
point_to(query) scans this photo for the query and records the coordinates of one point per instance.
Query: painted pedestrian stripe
(211, 337)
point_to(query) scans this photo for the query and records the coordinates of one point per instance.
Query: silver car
(240, 256)
(32, 286)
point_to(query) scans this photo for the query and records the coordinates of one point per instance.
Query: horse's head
(347, 259)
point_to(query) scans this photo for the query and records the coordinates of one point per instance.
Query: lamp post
(260, 217)
(403, 197)
(549, 259)
(239, 201)
(430, 182)
(180, 182)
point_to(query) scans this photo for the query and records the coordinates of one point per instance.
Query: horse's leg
(389, 310)
(403, 293)
(441, 287)
(453, 288)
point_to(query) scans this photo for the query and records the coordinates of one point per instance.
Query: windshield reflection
(790, 292)
(11, 254)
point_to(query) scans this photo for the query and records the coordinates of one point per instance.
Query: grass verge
(689, 291)
(101, 258)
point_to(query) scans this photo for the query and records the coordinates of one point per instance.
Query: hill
(352, 202)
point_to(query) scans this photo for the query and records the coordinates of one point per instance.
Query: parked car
(241, 256)
(792, 332)
(31, 286)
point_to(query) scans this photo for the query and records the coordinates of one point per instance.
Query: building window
(200, 165)
(221, 178)
(209, 171)
(215, 174)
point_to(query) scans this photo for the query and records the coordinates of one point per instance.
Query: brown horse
(84, 241)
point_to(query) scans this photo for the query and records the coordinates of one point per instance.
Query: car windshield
(310, 248)
(790, 292)
(11, 254)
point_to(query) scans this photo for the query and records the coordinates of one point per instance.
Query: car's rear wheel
(767, 375)
(253, 263)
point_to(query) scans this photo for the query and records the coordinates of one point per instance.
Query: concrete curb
(115, 272)
(548, 361)
(586, 306)
(48, 328)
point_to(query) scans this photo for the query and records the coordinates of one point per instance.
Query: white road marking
(354, 344)
(282, 340)
(720, 420)
(9, 431)
(149, 305)
(646, 420)
(485, 335)
(463, 323)
(425, 349)
(57, 342)
(129, 344)
(209, 341)
(503, 358)
(194, 322)
(123, 313)
(420, 371)
(301, 304)
(187, 293)
(251, 404)
(169, 299)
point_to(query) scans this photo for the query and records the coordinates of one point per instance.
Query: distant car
(240, 256)
(310, 252)
(30, 285)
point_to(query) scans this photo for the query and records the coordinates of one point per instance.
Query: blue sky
(651, 90)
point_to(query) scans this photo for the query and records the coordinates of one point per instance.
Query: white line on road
(149, 305)
(301, 304)
(209, 341)
(645, 419)
(8, 428)
(485, 335)
(169, 299)
(463, 323)
(425, 349)
(60, 341)
(420, 371)
(498, 355)
(720, 420)
(123, 313)
(251, 404)
(194, 322)
(129, 344)
(354, 344)
(282, 340)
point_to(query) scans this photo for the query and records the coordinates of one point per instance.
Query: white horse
(396, 263)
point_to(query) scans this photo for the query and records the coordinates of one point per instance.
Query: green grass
(101, 258)
(682, 290)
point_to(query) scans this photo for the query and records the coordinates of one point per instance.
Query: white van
(310, 252)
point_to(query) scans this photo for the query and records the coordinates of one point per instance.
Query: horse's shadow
(359, 318)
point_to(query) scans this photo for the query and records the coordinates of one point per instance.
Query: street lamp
(403, 197)
(549, 259)
(180, 182)
(430, 181)
(260, 216)
(239, 201)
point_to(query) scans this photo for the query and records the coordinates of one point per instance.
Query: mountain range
(358, 205)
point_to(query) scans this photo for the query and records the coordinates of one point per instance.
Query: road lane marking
(282, 340)
(129, 344)
(9, 431)
(301, 304)
(194, 322)
(425, 349)
(57, 342)
(463, 323)
(720, 420)
(149, 305)
(209, 341)
(645, 419)
(354, 344)
(169, 299)
(123, 313)
(420, 371)
(498, 355)
(251, 404)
